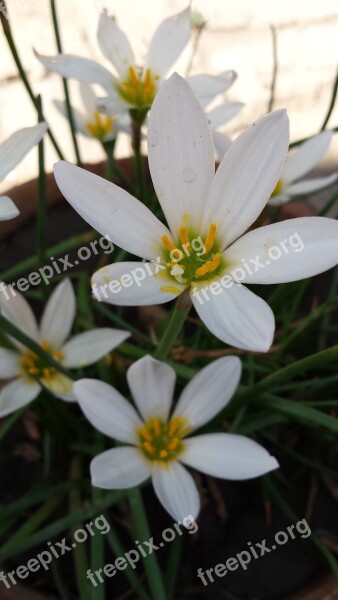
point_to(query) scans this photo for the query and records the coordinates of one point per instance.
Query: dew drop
(188, 175)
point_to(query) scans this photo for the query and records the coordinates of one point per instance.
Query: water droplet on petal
(188, 175)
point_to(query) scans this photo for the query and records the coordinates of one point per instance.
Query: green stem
(79, 552)
(174, 326)
(41, 208)
(110, 164)
(10, 329)
(143, 533)
(17, 60)
(332, 103)
(139, 167)
(65, 85)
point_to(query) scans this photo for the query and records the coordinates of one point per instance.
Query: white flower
(297, 164)
(12, 152)
(156, 436)
(132, 87)
(92, 123)
(29, 371)
(207, 214)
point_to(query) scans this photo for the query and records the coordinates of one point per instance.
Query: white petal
(278, 200)
(222, 114)
(288, 251)
(237, 317)
(168, 41)
(59, 315)
(8, 209)
(228, 456)
(152, 384)
(17, 145)
(111, 105)
(75, 67)
(114, 45)
(302, 160)
(60, 386)
(181, 155)
(309, 186)
(17, 394)
(79, 119)
(111, 210)
(17, 310)
(247, 176)
(207, 87)
(177, 491)
(88, 347)
(119, 468)
(222, 143)
(88, 97)
(107, 410)
(209, 391)
(131, 284)
(9, 364)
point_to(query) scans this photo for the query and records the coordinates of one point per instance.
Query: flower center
(34, 366)
(139, 88)
(278, 188)
(162, 442)
(193, 259)
(100, 126)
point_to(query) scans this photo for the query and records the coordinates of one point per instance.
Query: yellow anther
(173, 426)
(164, 454)
(168, 243)
(46, 373)
(44, 344)
(174, 443)
(133, 76)
(210, 239)
(170, 289)
(277, 188)
(57, 354)
(209, 266)
(184, 237)
(33, 371)
(145, 434)
(149, 447)
(156, 425)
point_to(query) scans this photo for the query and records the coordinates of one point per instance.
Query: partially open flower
(27, 369)
(12, 152)
(158, 437)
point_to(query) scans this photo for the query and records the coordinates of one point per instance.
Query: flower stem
(143, 533)
(17, 60)
(139, 167)
(110, 164)
(174, 326)
(65, 84)
(41, 208)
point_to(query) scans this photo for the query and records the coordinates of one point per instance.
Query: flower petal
(222, 143)
(236, 316)
(60, 386)
(8, 210)
(222, 114)
(17, 145)
(107, 410)
(209, 391)
(302, 160)
(228, 456)
(58, 316)
(177, 491)
(114, 44)
(17, 310)
(247, 176)
(181, 154)
(168, 41)
(207, 87)
(79, 119)
(17, 394)
(287, 251)
(131, 284)
(308, 186)
(152, 384)
(76, 67)
(9, 363)
(88, 97)
(119, 468)
(111, 210)
(88, 347)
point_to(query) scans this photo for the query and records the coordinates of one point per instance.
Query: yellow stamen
(156, 426)
(44, 344)
(149, 447)
(164, 454)
(184, 237)
(33, 371)
(46, 373)
(209, 266)
(173, 426)
(210, 239)
(168, 243)
(173, 443)
(145, 434)
(170, 289)
(133, 76)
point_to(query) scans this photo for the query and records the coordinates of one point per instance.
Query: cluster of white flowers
(219, 208)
